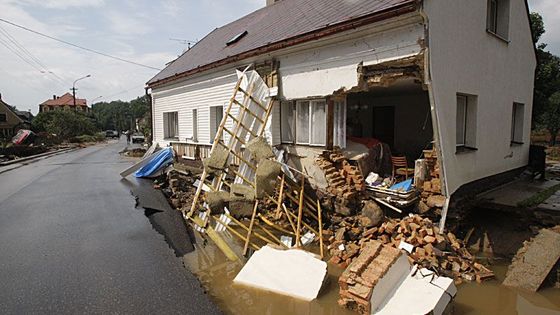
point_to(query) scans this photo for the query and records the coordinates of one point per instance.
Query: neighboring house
(65, 101)
(458, 74)
(11, 120)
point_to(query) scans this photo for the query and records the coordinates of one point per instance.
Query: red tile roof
(274, 26)
(65, 100)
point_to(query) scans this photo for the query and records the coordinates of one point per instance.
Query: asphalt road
(72, 241)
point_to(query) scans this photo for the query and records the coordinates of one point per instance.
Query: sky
(135, 30)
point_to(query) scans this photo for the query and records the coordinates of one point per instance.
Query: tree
(120, 115)
(551, 117)
(64, 123)
(547, 75)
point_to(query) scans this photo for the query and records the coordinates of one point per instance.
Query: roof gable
(281, 21)
(10, 111)
(65, 100)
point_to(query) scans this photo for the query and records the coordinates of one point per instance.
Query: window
(517, 119)
(339, 133)
(311, 122)
(194, 124)
(170, 125)
(466, 122)
(3, 118)
(216, 116)
(288, 121)
(498, 18)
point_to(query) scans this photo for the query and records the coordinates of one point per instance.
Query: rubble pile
(181, 189)
(443, 253)
(431, 197)
(345, 180)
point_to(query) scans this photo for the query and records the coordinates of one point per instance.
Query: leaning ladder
(250, 122)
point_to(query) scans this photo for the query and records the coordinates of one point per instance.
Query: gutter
(300, 39)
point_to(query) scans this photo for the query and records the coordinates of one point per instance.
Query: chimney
(0, 96)
(269, 2)
(54, 97)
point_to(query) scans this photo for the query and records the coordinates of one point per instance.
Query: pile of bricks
(344, 179)
(359, 279)
(431, 190)
(433, 250)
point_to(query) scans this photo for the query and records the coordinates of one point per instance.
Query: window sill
(505, 40)
(171, 139)
(516, 144)
(464, 149)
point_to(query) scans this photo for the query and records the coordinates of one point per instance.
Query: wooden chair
(400, 167)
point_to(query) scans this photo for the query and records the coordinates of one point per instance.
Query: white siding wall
(200, 93)
(465, 58)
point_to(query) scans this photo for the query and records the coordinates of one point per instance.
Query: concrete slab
(511, 194)
(552, 203)
(292, 272)
(533, 262)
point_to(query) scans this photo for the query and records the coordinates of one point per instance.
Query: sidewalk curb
(32, 157)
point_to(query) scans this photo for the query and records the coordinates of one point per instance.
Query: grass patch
(539, 198)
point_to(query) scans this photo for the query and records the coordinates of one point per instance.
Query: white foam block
(292, 272)
(422, 292)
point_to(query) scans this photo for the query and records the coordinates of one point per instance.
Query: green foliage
(100, 136)
(550, 119)
(120, 115)
(537, 27)
(65, 124)
(547, 81)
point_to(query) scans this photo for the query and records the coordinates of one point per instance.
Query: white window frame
(312, 123)
(339, 132)
(466, 122)
(517, 123)
(194, 125)
(497, 20)
(216, 117)
(285, 127)
(170, 129)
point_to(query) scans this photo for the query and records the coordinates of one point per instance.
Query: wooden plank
(246, 247)
(215, 237)
(280, 197)
(300, 213)
(319, 215)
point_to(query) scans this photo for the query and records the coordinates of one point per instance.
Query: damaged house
(398, 78)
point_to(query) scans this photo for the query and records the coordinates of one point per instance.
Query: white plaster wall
(320, 71)
(464, 58)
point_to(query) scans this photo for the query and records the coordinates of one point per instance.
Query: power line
(26, 54)
(78, 46)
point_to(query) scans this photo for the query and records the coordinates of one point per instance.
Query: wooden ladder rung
(257, 117)
(252, 98)
(243, 178)
(242, 125)
(234, 135)
(238, 156)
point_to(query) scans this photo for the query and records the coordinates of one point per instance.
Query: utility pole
(73, 89)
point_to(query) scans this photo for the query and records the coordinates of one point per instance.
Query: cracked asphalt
(72, 241)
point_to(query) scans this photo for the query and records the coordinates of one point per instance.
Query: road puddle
(216, 274)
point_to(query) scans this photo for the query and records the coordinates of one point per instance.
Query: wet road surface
(72, 241)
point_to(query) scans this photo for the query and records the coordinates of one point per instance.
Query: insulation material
(293, 272)
(267, 178)
(260, 149)
(217, 160)
(217, 200)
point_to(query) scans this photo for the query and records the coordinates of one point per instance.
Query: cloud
(129, 25)
(550, 11)
(63, 4)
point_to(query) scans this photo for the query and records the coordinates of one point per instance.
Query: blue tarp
(159, 160)
(403, 186)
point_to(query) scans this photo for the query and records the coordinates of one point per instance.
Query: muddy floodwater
(216, 274)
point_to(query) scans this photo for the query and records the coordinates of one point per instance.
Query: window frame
(166, 126)
(498, 11)
(283, 108)
(215, 112)
(469, 123)
(311, 123)
(5, 119)
(194, 125)
(517, 139)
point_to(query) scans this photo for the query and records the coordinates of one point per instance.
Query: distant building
(11, 120)
(65, 101)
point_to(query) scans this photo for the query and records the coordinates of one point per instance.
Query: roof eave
(300, 39)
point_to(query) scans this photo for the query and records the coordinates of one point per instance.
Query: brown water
(216, 274)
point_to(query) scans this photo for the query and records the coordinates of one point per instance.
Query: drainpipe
(435, 120)
(149, 98)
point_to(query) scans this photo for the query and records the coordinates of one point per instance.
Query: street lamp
(74, 87)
